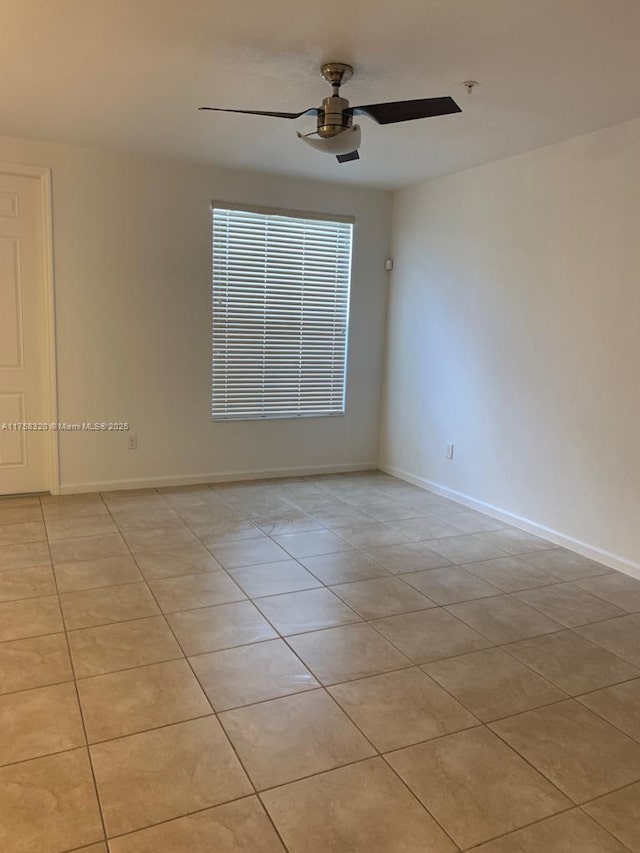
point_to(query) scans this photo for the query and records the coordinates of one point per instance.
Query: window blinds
(280, 314)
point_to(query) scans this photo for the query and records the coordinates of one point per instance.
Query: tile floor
(340, 664)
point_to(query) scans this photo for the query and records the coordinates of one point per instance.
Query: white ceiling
(131, 74)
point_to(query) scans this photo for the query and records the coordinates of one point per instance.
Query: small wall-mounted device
(388, 264)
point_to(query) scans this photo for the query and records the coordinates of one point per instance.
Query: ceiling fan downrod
(333, 117)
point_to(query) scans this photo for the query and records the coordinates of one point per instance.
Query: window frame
(292, 214)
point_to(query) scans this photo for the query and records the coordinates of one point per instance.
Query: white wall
(514, 332)
(132, 278)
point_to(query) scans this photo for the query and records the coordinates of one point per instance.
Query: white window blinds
(280, 314)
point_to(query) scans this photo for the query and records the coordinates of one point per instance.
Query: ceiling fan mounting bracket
(336, 73)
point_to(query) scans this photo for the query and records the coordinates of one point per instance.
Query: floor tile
(248, 674)
(70, 528)
(342, 654)
(264, 507)
(371, 535)
(618, 813)
(26, 583)
(565, 833)
(142, 519)
(393, 511)
(450, 585)
(475, 786)
(72, 506)
(117, 499)
(34, 662)
(299, 524)
(566, 565)
(363, 808)
(208, 510)
(491, 684)
(465, 549)
(93, 574)
(503, 619)
(121, 646)
(579, 752)
(16, 534)
(620, 636)
(48, 804)
(572, 662)
(239, 827)
(249, 552)
(296, 612)
(190, 493)
(200, 590)
(619, 705)
(514, 541)
(400, 708)
(287, 739)
(20, 514)
(312, 544)
(274, 578)
(181, 561)
(123, 703)
(17, 501)
(39, 722)
(420, 529)
(411, 557)
(341, 516)
(470, 521)
(382, 597)
(224, 626)
(219, 531)
(88, 548)
(511, 574)
(30, 617)
(325, 507)
(159, 539)
(24, 556)
(568, 604)
(617, 588)
(75, 513)
(165, 773)
(342, 567)
(430, 634)
(91, 607)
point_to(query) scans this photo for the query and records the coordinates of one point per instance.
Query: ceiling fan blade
(311, 111)
(345, 158)
(408, 110)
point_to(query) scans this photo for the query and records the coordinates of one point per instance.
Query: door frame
(43, 174)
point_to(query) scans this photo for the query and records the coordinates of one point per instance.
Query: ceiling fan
(335, 132)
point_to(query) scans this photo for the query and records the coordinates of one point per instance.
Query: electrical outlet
(449, 451)
(133, 442)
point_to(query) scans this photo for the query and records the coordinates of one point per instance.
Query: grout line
(77, 694)
(602, 826)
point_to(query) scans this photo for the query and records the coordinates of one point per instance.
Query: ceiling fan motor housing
(332, 116)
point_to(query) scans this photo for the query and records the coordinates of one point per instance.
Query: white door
(23, 337)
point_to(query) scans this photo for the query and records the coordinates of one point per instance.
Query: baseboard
(224, 477)
(613, 561)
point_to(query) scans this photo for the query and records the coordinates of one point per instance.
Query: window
(280, 313)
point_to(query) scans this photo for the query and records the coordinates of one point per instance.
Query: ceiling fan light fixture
(344, 142)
